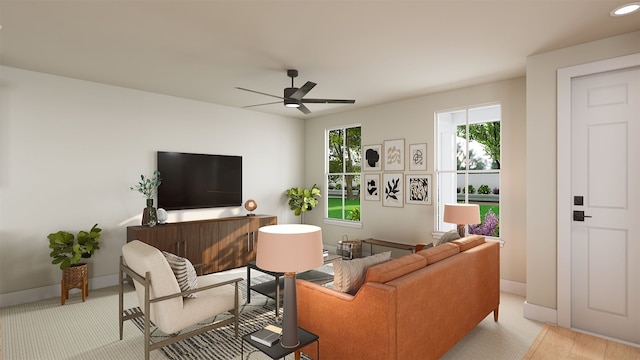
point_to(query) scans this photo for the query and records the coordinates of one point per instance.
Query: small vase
(149, 214)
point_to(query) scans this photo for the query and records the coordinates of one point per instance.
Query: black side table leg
(248, 285)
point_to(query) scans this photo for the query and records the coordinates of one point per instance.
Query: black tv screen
(193, 181)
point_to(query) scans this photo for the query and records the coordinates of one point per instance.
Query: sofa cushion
(349, 274)
(440, 252)
(446, 237)
(395, 268)
(470, 241)
(184, 271)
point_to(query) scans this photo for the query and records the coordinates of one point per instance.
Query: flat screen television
(193, 181)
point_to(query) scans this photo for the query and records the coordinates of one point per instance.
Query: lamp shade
(289, 247)
(462, 214)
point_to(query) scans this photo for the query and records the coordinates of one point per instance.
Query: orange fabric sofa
(414, 307)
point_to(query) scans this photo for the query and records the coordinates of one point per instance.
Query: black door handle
(578, 215)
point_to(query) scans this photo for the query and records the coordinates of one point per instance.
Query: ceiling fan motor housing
(288, 101)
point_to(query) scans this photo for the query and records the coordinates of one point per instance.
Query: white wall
(412, 120)
(541, 156)
(70, 150)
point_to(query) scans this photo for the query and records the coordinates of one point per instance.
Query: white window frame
(340, 222)
(446, 165)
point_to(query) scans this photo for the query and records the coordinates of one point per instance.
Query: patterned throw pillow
(349, 274)
(184, 271)
(446, 237)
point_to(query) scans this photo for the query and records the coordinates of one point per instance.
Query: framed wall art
(418, 157)
(394, 155)
(392, 191)
(372, 187)
(372, 156)
(418, 189)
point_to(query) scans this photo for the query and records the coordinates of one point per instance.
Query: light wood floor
(558, 343)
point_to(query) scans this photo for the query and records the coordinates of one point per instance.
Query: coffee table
(269, 288)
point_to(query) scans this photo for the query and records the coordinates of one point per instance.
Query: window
(343, 174)
(468, 165)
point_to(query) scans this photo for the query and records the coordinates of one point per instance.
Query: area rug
(220, 343)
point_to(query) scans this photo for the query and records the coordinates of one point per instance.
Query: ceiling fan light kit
(288, 101)
(293, 97)
(626, 9)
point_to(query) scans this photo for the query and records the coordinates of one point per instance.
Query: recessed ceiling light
(626, 9)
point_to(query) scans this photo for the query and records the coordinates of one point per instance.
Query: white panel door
(605, 244)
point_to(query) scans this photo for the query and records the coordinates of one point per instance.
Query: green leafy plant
(484, 189)
(147, 186)
(68, 250)
(354, 214)
(301, 200)
(471, 189)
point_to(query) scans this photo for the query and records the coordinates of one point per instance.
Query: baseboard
(47, 292)
(513, 287)
(540, 313)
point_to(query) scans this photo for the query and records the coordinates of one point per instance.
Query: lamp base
(461, 230)
(290, 317)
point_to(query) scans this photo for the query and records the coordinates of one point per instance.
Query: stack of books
(267, 336)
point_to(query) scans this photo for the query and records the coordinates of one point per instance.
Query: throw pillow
(349, 274)
(446, 237)
(184, 271)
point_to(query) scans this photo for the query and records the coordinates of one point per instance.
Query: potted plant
(148, 187)
(302, 200)
(68, 251)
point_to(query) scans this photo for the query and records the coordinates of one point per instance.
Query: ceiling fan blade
(270, 103)
(327, 101)
(258, 92)
(303, 90)
(304, 109)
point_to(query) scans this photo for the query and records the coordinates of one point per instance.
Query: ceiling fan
(294, 97)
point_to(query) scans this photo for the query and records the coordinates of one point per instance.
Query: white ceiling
(371, 51)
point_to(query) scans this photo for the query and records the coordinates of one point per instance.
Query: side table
(272, 290)
(277, 351)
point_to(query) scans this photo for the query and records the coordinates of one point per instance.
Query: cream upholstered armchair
(169, 308)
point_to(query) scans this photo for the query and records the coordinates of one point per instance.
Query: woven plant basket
(75, 277)
(349, 249)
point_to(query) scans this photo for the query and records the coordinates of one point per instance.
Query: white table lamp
(461, 214)
(289, 248)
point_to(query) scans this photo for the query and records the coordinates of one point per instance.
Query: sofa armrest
(350, 326)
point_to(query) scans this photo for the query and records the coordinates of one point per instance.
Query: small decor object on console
(250, 205)
(149, 214)
(162, 215)
(147, 187)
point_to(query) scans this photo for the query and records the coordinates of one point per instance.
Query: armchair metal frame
(146, 281)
